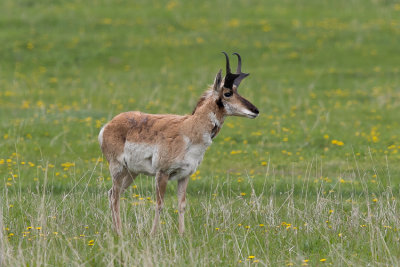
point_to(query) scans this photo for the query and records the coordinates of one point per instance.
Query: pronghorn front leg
(161, 185)
(182, 185)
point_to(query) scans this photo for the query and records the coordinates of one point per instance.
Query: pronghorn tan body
(170, 147)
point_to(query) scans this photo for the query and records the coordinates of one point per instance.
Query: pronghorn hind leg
(121, 180)
(182, 185)
(128, 181)
(161, 185)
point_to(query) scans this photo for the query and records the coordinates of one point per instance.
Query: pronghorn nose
(249, 106)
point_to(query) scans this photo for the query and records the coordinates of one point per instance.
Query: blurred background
(321, 159)
(325, 75)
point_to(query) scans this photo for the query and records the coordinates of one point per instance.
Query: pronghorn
(169, 147)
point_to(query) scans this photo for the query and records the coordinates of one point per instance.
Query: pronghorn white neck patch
(214, 119)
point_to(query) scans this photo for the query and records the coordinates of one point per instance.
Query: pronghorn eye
(228, 94)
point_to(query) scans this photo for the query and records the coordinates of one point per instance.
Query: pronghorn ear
(217, 81)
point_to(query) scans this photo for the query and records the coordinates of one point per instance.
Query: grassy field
(314, 180)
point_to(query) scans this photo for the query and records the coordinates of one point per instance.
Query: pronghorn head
(228, 96)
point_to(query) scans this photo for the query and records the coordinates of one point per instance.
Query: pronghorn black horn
(241, 75)
(228, 68)
(239, 67)
(229, 77)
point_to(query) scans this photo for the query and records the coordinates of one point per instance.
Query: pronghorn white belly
(144, 158)
(140, 158)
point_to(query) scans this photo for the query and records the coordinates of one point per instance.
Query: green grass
(315, 177)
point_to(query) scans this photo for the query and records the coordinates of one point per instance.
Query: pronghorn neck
(209, 114)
